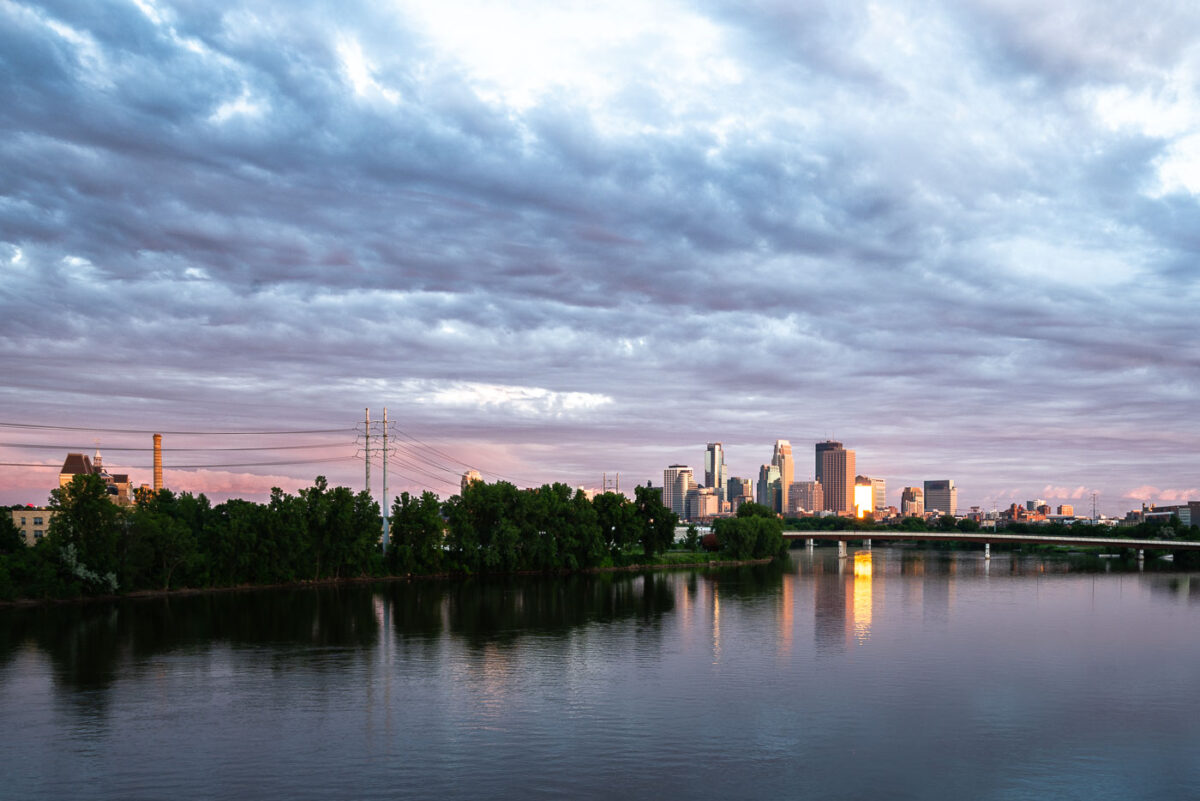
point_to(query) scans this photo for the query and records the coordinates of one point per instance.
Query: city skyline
(563, 241)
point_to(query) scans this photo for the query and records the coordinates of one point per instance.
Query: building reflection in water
(863, 568)
(829, 607)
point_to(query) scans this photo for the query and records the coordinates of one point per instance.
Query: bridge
(987, 538)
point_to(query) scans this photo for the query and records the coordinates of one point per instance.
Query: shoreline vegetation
(168, 543)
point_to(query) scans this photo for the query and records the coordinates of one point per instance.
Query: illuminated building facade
(835, 469)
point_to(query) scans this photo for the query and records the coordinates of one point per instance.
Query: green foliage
(416, 533)
(751, 509)
(655, 522)
(947, 523)
(752, 537)
(967, 525)
(86, 531)
(692, 541)
(10, 535)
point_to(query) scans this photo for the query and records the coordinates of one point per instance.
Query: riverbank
(185, 592)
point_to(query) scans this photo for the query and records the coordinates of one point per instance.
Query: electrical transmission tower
(383, 452)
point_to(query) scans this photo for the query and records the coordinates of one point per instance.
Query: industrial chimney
(157, 462)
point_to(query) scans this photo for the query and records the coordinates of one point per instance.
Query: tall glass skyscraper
(715, 474)
(782, 458)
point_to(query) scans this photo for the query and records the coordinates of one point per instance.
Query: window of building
(37, 521)
(22, 521)
(37, 534)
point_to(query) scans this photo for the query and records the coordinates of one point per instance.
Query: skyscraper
(864, 497)
(835, 470)
(782, 458)
(912, 502)
(805, 496)
(715, 474)
(768, 485)
(941, 496)
(677, 480)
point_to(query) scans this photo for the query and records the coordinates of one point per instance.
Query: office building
(782, 459)
(941, 496)
(864, 497)
(768, 485)
(701, 503)
(715, 474)
(835, 469)
(805, 496)
(739, 488)
(912, 502)
(677, 480)
(467, 479)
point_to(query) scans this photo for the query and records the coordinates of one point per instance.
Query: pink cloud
(1150, 493)
(1066, 493)
(221, 485)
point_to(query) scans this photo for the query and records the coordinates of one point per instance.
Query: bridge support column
(867, 544)
(987, 550)
(810, 542)
(841, 549)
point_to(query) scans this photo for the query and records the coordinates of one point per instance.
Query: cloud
(942, 233)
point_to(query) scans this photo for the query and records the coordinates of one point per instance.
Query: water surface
(899, 673)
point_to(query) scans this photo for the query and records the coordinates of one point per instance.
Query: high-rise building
(467, 478)
(782, 458)
(864, 496)
(1066, 510)
(805, 496)
(715, 474)
(835, 470)
(879, 486)
(1033, 505)
(737, 488)
(677, 480)
(768, 485)
(701, 502)
(912, 502)
(941, 496)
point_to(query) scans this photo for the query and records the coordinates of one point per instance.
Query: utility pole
(367, 447)
(386, 505)
(1094, 518)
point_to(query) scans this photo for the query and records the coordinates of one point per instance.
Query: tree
(692, 542)
(10, 536)
(86, 531)
(751, 509)
(618, 527)
(656, 523)
(946, 523)
(417, 533)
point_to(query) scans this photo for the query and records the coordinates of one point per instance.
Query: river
(896, 673)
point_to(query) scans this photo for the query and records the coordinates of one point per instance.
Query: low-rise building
(33, 522)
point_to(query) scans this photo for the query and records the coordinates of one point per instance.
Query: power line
(56, 466)
(178, 433)
(171, 449)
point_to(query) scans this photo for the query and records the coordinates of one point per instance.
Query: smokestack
(157, 462)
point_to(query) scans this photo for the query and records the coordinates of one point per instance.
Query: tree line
(168, 540)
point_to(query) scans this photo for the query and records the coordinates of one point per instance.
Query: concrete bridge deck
(985, 538)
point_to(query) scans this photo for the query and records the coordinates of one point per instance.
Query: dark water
(896, 674)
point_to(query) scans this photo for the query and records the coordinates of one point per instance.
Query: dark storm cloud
(908, 245)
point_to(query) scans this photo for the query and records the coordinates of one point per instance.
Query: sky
(558, 240)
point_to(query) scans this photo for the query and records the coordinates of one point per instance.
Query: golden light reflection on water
(862, 596)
